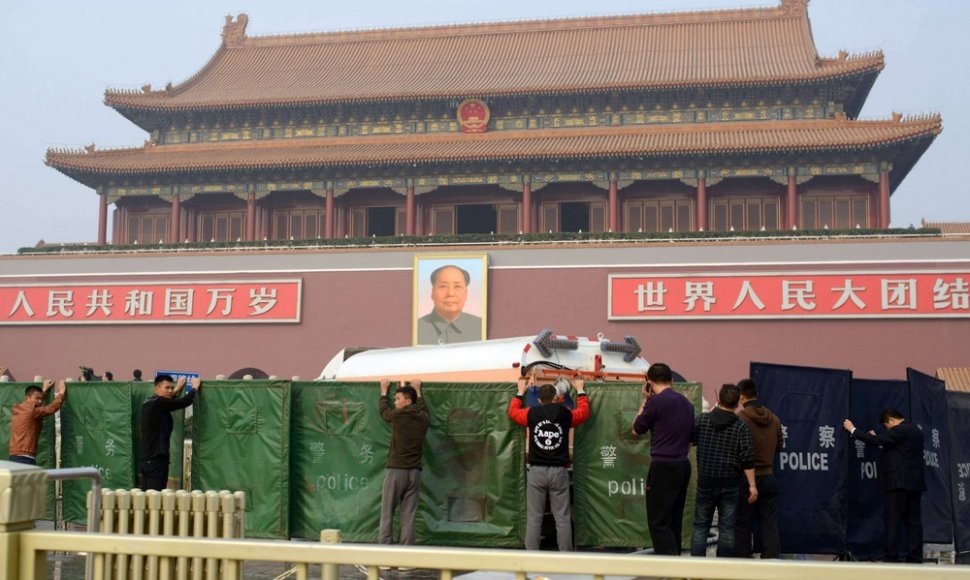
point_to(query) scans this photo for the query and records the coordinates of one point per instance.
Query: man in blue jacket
(901, 479)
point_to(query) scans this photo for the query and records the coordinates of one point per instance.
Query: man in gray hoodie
(766, 432)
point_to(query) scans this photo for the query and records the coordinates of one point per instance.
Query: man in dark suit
(900, 478)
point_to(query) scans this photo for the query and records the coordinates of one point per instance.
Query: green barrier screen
(241, 432)
(13, 394)
(338, 445)
(610, 467)
(473, 484)
(96, 432)
(140, 391)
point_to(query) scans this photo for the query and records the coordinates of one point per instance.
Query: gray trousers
(543, 479)
(401, 488)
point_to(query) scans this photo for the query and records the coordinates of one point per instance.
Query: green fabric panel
(610, 467)
(473, 484)
(241, 432)
(12, 394)
(338, 446)
(96, 432)
(140, 391)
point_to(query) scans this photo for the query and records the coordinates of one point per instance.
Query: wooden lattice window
(745, 214)
(834, 212)
(508, 219)
(444, 220)
(659, 215)
(148, 228)
(299, 224)
(222, 226)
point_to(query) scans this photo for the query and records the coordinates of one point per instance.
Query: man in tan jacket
(28, 418)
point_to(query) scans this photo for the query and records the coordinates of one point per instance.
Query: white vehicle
(490, 361)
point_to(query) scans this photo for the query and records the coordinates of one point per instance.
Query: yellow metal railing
(34, 545)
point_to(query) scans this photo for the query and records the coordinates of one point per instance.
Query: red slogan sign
(790, 295)
(250, 301)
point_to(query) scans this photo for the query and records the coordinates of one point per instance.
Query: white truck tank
(499, 360)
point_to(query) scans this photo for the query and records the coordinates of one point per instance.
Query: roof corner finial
(234, 32)
(794, 7)
(89, 147)
(897, 117)
(146, 88)
(843, 55)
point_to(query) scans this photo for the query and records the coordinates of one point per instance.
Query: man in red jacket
(549, 424)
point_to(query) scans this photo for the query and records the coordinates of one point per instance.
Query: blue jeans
(725, 500)
(23, 459)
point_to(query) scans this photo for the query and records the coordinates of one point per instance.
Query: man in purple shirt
(669, 417)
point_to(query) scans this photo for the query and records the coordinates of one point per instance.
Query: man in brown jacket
(28, 418)
(408, 416)
(768, 441)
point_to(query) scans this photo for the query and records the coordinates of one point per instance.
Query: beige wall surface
(363, 298)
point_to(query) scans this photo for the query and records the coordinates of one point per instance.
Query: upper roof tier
(741, 47)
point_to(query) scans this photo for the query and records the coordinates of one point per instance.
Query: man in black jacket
(156, 428)
(901, 479)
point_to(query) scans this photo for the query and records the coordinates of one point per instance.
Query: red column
(526, 208)
(251, 216)
(791, 204)
(701, 204)
(409, 212)
(614, 207)
(884, 199)
(328, 218)
(102, 220)
(173, 233)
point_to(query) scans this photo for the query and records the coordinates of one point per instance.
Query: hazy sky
(58, 57)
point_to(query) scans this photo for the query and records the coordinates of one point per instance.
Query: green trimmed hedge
(485, 239)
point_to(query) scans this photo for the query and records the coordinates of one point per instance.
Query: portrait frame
(474, 307)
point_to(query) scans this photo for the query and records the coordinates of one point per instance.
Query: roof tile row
(604, 142)
(751, 46)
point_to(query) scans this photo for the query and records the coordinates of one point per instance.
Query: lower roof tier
(94, 168)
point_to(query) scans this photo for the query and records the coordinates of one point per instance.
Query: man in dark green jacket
(408, 417)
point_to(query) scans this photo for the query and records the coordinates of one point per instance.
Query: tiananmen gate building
(695, 124)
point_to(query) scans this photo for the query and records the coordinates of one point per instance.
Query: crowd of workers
(736, 443)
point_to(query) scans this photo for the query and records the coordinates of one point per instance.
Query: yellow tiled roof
(956, 378)
(579, 143)
(724, 47)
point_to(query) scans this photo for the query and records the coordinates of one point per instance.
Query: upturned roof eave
(93, 177)
(128, 104)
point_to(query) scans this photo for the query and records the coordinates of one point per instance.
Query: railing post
(330, 571)
(23, 497)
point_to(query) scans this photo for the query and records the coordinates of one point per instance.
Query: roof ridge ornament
(794, 7)
(234, 32)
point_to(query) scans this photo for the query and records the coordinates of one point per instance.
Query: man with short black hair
(402, 477)
(156, 428)
(902, 479)
(549, 424)
(27, 419)
(766, 434)
(669, 417)
(724, 451)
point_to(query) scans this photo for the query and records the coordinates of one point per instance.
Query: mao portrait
(449, 299)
